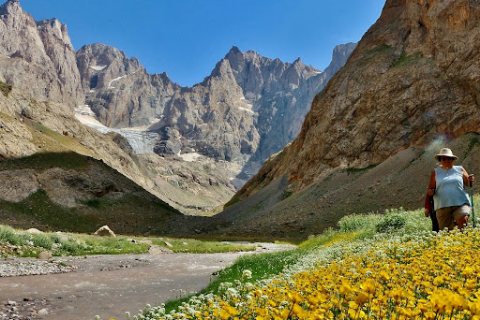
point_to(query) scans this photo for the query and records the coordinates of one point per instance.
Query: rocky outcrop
(38, 58)
(414, 77)
(119, 90)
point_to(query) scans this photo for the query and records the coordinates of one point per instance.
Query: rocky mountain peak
(39, 58)
(339, 57)
(102, 66)
(11, 7)
(248, 108)
(233, 53)
(11, 13)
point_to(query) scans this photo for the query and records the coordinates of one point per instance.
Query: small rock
(43, 312)
(158, 250)
(45, 255)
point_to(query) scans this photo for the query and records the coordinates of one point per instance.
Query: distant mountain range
(190, 146)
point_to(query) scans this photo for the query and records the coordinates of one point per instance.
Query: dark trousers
(433, 216)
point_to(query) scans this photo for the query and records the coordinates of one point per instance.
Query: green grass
(39, 208)
(129, 214)
(65, 244)
(262, 266)
(74, 244)
(5, 88)
(197, 246)
(473, 142)
(381, 48)
(406, 60)
(47, 160)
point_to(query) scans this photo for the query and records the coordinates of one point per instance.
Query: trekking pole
(473, 204)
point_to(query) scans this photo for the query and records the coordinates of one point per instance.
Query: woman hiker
(448, 187)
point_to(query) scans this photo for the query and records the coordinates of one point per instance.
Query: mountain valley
(288, 148)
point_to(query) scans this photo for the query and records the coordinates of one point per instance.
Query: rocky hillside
(53, 178)
(412, 79)
(70, 192)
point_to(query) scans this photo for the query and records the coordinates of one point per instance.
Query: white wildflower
(247, 274)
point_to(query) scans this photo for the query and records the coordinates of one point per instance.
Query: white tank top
(449, 190)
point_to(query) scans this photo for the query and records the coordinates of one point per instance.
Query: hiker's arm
(466, 178)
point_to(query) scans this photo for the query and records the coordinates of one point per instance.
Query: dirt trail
(109, 286)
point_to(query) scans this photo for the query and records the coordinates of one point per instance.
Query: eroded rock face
(414, 76)
(38, 57)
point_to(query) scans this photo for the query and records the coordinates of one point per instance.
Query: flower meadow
(422, 275)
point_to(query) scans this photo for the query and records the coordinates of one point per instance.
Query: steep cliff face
(38, 58)
(414, 76)
(119, 90)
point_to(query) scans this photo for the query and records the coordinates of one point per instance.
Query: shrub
(42, 240)
(7, 234)
(357, 222)
(391, 222)
(5, 88)
(71, 247)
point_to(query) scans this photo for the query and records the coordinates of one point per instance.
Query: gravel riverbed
(25, 267)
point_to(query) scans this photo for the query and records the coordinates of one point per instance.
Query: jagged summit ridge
(38, 58)
(245, 88)
(11, 6)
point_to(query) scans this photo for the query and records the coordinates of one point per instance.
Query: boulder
(34, 231)
(105, 231)
(45, 255)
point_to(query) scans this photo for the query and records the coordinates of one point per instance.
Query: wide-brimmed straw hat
(445, 152)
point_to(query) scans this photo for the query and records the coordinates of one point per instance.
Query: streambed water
(110, 285)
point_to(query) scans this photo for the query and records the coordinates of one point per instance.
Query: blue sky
(186, 38)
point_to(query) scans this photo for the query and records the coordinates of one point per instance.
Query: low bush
(42, 240)
(5, 88)
(391, 222)
(8, 234)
